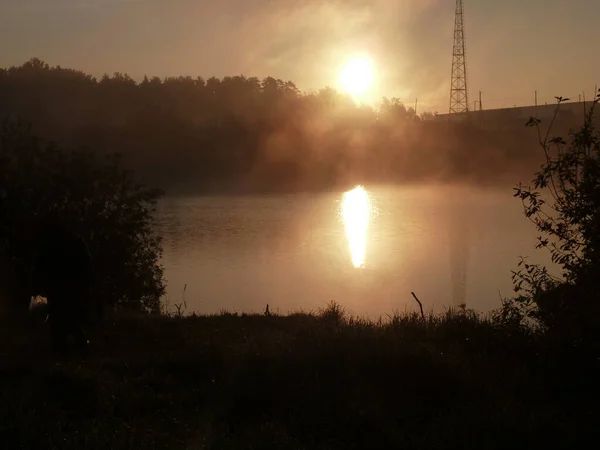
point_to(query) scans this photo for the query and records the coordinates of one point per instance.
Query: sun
(356, 77)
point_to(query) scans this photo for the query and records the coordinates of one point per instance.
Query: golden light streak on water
(356, 214)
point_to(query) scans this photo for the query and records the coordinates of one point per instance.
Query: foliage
(564, 205)
(97, 199)
(248, 134)
(299, 381)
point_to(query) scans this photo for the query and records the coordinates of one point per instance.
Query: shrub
(564, 205)
(97, 199)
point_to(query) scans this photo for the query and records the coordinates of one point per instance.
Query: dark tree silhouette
(95, 198)
(241, 133)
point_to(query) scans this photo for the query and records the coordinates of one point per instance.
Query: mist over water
(450, 245)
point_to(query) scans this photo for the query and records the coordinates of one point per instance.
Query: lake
(366, 249)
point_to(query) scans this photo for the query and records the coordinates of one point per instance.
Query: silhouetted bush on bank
(564, 205)
(97, 199)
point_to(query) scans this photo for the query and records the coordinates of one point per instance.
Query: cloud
(57, 6)
(308, 41)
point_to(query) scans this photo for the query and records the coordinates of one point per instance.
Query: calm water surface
(366, 249)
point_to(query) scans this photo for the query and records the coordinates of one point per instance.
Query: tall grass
(323, 380)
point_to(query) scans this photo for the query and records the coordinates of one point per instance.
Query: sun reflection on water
(356, 214)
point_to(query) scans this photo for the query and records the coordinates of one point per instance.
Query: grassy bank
(300, 381)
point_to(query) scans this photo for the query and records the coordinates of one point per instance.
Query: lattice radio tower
(459, 99)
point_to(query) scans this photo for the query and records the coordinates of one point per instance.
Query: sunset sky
(513, 46)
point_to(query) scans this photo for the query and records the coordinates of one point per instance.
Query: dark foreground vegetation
(321, 381)
(96, 199)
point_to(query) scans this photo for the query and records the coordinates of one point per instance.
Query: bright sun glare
(357, 76)
(356, 214)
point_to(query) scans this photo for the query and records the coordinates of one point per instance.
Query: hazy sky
(513, 46)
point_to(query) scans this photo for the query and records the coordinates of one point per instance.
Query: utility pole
(480, 110)
(459, 99)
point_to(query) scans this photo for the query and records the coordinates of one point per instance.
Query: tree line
(246, 134)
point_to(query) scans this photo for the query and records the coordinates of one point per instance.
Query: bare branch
(420, 305)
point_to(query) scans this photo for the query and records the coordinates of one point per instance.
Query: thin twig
(420, 305)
